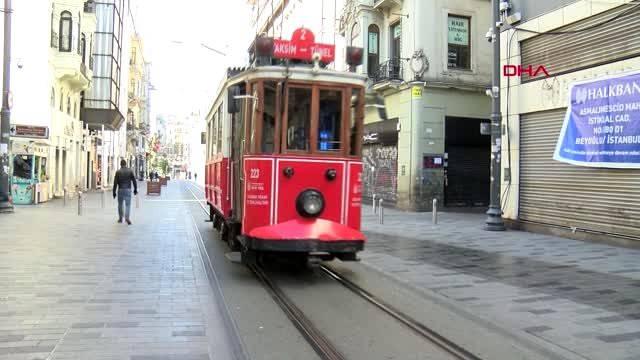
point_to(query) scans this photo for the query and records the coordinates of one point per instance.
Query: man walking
(123, 179)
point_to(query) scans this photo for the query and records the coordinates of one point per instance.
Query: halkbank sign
(602, 124)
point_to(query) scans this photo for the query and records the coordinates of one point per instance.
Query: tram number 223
(254, 173)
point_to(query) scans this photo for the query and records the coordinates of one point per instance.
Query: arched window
(83, 46)
(66, 26)
(373, 49)
(53, 97)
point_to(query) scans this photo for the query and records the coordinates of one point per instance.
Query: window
(61, 101)
(83, 47)
(355, 121)
(459, 40)
(298, 118)
(396, 35)
(269, 117)
(53, 97)
(66, 24)
(220, 124)
(330, 120)
(69, 105)
(373, 50)
(75, 109)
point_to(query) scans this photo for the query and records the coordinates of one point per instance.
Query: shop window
(22, 166)
(66, 26)
(269, 117)
(330, 120)
(373, 50)
(299, 118)
(459, 42)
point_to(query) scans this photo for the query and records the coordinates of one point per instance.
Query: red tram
(283, 171)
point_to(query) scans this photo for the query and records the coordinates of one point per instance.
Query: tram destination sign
(602, 124)
(302, 46)
(29, 131)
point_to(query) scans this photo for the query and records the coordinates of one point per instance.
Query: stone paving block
(516, 279)
(121, 292)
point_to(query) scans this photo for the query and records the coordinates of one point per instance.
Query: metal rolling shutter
(468, 176)
(551, 192)
(613, 41)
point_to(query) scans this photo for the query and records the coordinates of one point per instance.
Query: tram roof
(293, 73)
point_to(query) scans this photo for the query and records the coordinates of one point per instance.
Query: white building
(51, 66)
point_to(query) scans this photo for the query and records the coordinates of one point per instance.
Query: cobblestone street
(86, 287)
(577, 296)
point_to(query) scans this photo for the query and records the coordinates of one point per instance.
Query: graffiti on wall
(379, 173)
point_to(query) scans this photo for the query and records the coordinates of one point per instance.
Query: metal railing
(89, 7)
(389, 70)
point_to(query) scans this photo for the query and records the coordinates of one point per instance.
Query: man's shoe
(120, 221)
(128, 222)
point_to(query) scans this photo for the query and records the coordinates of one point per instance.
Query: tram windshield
(306, 118)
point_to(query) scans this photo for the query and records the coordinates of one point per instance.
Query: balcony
(386, 4)
(98, 113)
(90, 7)
(68, 67)
(389, 71)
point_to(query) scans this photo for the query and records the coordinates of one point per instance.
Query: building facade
(48, 136)
(431, 63)
(137, 115)
(539, 192)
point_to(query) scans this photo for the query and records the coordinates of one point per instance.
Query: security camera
(489, 35)
(499, 23)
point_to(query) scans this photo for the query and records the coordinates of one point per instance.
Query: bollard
(380, 212)
(64, 196)
(102, 199)
(374, 204)
(79, 203)
(434, 212)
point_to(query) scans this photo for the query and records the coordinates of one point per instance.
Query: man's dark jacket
(123, 179)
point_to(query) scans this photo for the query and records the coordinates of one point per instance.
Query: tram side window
(220, 124)
(353, 126)
(330, 120)
(269, 118)
(299, 118)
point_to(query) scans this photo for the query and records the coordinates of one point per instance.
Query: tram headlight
(310, 203)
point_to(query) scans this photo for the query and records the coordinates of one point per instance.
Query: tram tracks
(319, 342)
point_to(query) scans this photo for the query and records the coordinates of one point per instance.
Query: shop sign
(416, 92)
(302, 46)
(458, 30)
(29, 131)
(602, 123)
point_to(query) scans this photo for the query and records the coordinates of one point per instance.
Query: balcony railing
(389, 70)
(89, 7)
(54, 39)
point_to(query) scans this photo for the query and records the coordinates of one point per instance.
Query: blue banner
(602, 124)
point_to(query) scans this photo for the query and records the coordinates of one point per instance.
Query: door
(394, 61)
(237, 149)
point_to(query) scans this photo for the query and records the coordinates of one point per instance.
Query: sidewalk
(583, 297)
(87, 287)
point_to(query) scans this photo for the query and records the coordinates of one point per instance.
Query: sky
(185, 74)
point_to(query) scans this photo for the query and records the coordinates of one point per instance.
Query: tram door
(237, 109)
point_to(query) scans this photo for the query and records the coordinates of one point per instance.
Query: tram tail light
(354, 55)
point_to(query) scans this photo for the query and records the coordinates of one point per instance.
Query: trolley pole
(5, 115)
(494, 220)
